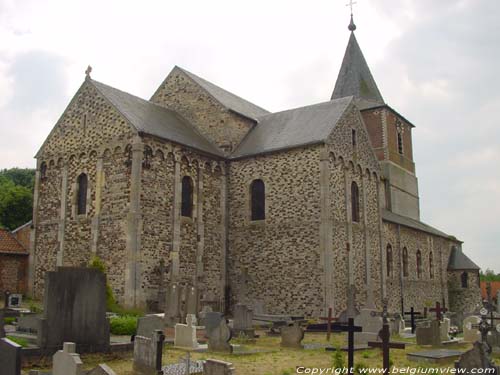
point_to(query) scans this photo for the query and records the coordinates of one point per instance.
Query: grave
(292, 336)
(14, 301)
(2, 323)
(429, 333)
(173, 305)
(195, 367)
(102, 369)
(413, 315)
(444, 329)
(191, 298)
(471, 334)
(211, 321)
(216, 367)
(350, 328)
(476, 358)
(185, 334)
(67, 361)
(371, 325)
(146, 325)
(243, 321)
(385, 345)
(148, 353)
(218, 338)
(438, 356)
(10, 357)
(75, 299)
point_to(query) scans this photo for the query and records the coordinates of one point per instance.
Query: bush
(123, 325)
(98, 264)
(338, 359)
(9, 320)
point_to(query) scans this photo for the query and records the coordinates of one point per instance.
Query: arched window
(389, 260)
(431, 266)
(355, 201)
(419, 264)
(258, 196)
(405, 262)
(187, 197)
(82, 194)
(464, 278)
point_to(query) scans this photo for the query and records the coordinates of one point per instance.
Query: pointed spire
(355, 78)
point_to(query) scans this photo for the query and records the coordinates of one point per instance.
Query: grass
(19, 341)
(280, 361)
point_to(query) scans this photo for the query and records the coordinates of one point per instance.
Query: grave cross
(329, 319)
(350, 328)
(438, 310)
(412, 314)
(484, 325)
(386, 345)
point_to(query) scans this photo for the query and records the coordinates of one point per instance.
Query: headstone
(370, 324)
(429, 333)
(148, 353)
(185, 334)
(67, 361)
(445, 329)
(102, 369)
(192, 301)
(28, 323)
(292, 336)
(216, 367)
(14, 301)
(474, 359)
(173, 305)
(243, 320)
(471, 334)
(146, 325)
(2, 323)
(75, 309)
(10, 357)
(397, 325)
(218, 338)
(211, 321)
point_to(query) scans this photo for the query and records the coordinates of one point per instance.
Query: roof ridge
(307, 106)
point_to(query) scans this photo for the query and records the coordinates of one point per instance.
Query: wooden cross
(350, 328)
(438, 310)
(412, 314)
(329, 319)
(386, 345)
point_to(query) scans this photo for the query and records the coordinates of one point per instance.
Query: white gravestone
(67, 361)
(185, 334)
(471, 334)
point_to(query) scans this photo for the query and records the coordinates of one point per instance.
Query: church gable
(88, 122)
(223, 126)
(350, 140)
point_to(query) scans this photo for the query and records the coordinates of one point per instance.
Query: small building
(13, 264)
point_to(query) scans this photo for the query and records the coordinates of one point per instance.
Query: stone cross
(386, 345)
(350, 328)
(329, 319)
(88, 71)
(438, 310)
(412, 314)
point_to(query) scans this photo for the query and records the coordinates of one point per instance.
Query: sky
(436, 62)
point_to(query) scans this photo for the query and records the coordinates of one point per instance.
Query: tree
(20, 176)
(16, 204)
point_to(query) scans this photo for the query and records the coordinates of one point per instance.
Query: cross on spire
(352, 25)
(351, 3)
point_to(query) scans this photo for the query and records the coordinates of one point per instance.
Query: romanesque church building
(289, 212)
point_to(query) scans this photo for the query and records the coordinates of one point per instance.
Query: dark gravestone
(10, 357)
(2, 322)
(148, 324)
(75, 310)
(476, 358)
(211, 321)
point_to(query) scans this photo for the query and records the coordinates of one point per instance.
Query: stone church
(290, 212)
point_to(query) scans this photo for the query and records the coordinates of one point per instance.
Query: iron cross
(385, 345)
(329, 320)
(412, 314)
(438, 310)
(350, 328)
(351, 3)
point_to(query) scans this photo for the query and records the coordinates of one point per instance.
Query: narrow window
(82, 194)
(43, 171)
(355, 202)
(258, 194)
(419, 264)
(465, 279)
(400, 142)
(353, 135)
(187, 197)
(405, 262)
(431, 266)
(389, 260)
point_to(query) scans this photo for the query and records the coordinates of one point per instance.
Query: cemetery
(72, 336)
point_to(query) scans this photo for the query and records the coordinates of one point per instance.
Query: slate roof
(9, 244)
(227, 99)
(412, 223)
(156, 120)
(459, 261)
(355, 77)
(292, 128)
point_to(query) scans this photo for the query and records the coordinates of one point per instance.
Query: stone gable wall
(223, 127)
(13, 273)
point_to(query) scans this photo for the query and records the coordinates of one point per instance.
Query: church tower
(390, 132)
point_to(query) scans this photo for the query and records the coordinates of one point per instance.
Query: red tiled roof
(9, 245)
(495, 286)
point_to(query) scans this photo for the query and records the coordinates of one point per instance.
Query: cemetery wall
(90, 132)
(223, 127)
